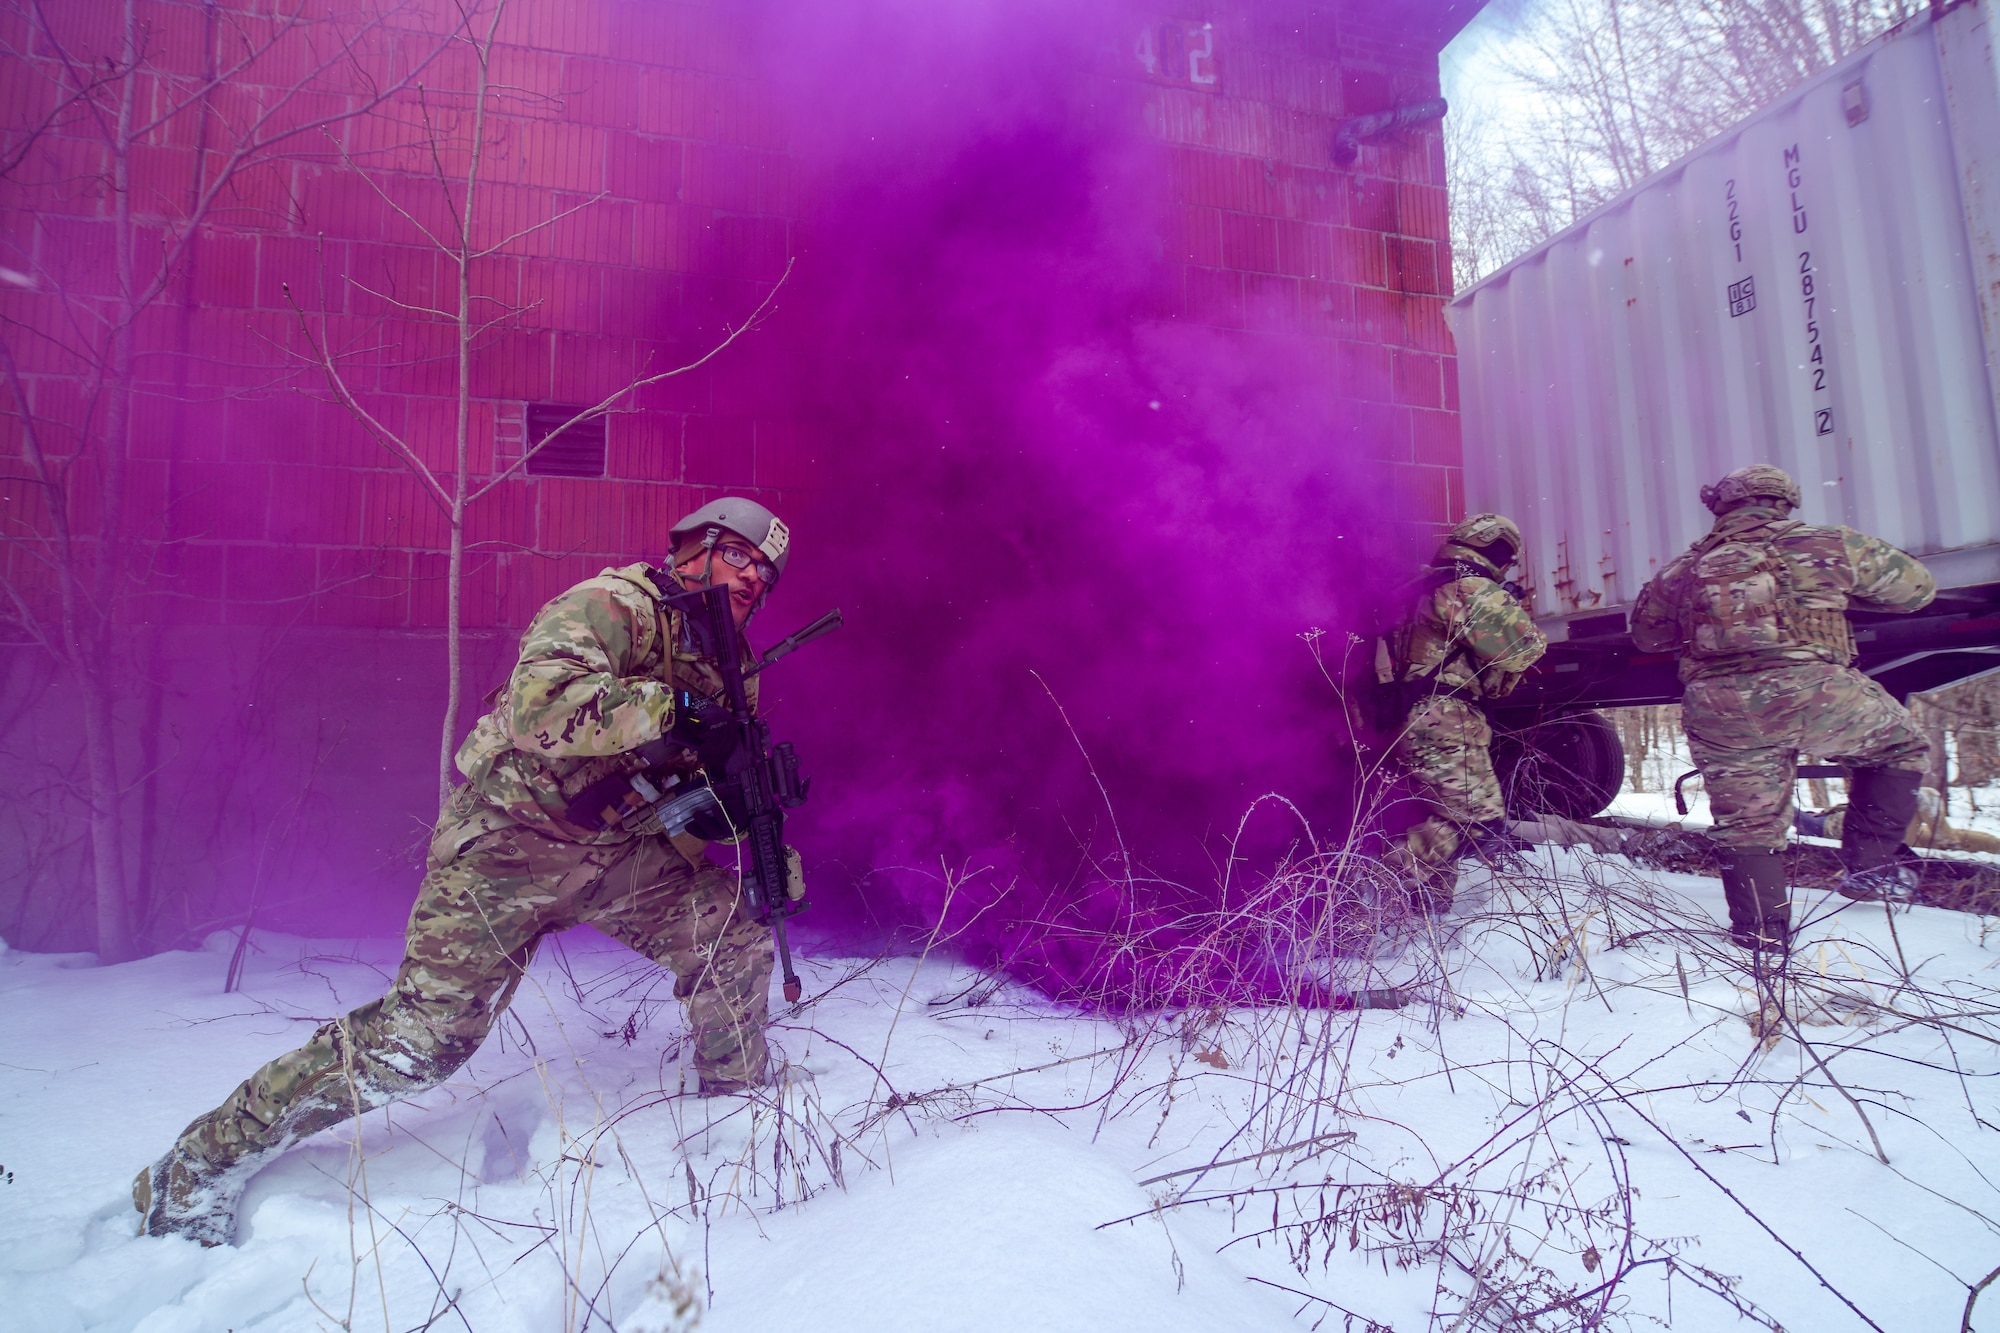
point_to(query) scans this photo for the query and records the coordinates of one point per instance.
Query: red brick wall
(672, 208)
(278, 509)
(1275, 238)
(298, 569)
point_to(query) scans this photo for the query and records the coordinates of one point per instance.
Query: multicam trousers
(1746, 732)
(1446, 750)
(492, 891)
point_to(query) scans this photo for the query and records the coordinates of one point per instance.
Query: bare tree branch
(1621, 90)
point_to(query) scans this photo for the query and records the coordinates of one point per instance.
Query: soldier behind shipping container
(1929, 828)
(1466, 638)
(604, 669)
(1755, 610)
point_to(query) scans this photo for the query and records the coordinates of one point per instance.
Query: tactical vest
(1417, 650)
(536, 789)
(1412, 659)
(1741, 600)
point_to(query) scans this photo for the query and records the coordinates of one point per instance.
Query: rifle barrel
(790, 644)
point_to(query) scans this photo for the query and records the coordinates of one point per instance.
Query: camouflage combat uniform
(597, 676)
(1748, 712)
(1468, 638)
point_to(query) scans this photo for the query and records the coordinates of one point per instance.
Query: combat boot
(1760, 910)
(1427, 885)
(1493, 844)
(1432, 894)
(736, 1079)
(1880, 804)
(180, 1195)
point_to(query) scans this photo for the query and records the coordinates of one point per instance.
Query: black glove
(705, 727)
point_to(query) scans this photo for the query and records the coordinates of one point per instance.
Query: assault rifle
(757, 783)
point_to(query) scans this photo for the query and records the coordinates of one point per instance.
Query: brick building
(652, 191)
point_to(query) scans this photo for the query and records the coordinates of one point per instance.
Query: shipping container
(1818, 287)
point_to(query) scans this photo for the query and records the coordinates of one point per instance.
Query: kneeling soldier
(1755, 610)
(605, 668)
(1466, 638)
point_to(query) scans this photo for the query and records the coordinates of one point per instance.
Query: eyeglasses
(742, 557)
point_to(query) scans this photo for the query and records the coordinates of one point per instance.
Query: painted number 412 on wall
(1179, 52)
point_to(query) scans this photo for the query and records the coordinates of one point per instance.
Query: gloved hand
(704, 726)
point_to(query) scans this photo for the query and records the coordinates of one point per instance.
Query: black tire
(1568, 764)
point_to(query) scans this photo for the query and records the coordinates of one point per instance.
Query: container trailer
(1818, 287)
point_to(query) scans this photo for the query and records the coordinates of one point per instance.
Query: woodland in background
(1962, 721)
(1621, 89)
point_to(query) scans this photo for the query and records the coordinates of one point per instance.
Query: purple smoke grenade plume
(1078, 530)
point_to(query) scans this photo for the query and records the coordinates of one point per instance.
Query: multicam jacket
(1727, 620)
(1467, 633)
(596, 678)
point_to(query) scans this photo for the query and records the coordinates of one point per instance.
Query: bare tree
(109, 102)
(1621, 89)
(450, 130)
(1963, 721)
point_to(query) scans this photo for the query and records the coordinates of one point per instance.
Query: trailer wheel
(1568, 764)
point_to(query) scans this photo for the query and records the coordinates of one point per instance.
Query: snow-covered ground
(1585, 1103)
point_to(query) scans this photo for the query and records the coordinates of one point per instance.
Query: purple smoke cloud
(1066, 518)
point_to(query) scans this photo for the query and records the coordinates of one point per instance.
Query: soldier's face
(745, 585)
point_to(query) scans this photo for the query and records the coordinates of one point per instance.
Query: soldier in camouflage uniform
(1755, 609)
(1928, 828)
(604, 669)
(1467, 639)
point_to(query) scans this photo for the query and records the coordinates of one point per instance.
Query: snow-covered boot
(1760, 910)
(1431, 895)
(735, 1081)
(179, 1195)
(1881, 802)
(1430, 888)
(1427, 885)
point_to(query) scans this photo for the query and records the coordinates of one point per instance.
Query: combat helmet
(747, 519)
(1481, 532)
(1759, 479)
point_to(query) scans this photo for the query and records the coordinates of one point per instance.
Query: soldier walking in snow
(1755, 609)
(604, 669)
(1466, 638)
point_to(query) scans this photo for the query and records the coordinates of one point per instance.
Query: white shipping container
(1819, 288)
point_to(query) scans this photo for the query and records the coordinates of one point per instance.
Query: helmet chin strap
(708, 541)
(707, 580)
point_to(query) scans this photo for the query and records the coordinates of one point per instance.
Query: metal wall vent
(576, 452)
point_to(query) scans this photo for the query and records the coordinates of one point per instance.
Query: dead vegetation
(1323, 1130)
(1472, 1108)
